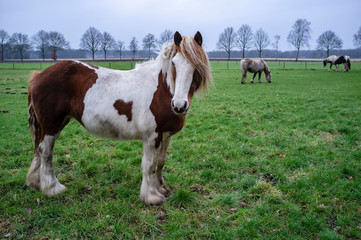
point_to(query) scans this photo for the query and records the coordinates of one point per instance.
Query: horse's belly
(111, 128)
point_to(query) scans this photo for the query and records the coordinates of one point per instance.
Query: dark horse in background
(255, 66)
(336, 60)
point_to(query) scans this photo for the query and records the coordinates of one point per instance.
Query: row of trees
(49, 43)
(93, 40)
(21, 43)
(299, 37)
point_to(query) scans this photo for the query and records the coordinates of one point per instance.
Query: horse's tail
(242, 66)
(34, 125)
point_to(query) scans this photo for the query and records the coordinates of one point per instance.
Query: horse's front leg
(150, 189)
(163, 188)
(330, 67)
(254, 75)
(259, 77)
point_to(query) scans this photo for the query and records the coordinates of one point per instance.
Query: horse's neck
(332, 58)
(266, 69)
(153, 68)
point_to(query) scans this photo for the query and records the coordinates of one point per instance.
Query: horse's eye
(172, 63)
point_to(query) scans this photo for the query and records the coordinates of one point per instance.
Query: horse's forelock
(196, 55)
(199, 59)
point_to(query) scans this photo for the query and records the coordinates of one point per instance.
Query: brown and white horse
(255, 66)
(149, 103)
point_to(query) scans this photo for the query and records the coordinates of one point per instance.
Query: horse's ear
(198, 38)
(177, 38)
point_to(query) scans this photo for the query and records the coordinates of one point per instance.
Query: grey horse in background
(255, 66)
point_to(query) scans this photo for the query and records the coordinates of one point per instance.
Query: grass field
(254, 161)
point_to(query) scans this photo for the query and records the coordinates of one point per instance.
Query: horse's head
(268, 76)
(191, 71)
(324, 63)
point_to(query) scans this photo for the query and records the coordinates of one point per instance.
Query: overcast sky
(125, 19)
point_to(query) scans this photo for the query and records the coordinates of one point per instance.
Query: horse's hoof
(243, 82)
(154, 200)
(58, 188)
(33, 186)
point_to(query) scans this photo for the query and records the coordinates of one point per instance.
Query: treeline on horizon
(127, 54)
(232, 43)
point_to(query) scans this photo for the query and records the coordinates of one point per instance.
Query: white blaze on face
(184, 78)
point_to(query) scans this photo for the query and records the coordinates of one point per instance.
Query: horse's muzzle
(182, 109)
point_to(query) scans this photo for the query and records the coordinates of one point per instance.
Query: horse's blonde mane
(195, 55)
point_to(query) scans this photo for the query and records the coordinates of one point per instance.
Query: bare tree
(41, 41)
(107, 42)
(149, 43)
(133, 47)
(275, 44)
(300, 35)
(244, 38)
(165, 37)
(119, 47)
(56, 42)
(21, 43)
(91, 40)
(226, 41)
(4, 38)
(357, 38)
(260, 41)
(329, 40)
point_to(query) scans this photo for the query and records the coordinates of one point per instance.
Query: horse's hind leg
(49, 184)
(44, 132)
(244, 75)
(33, 177)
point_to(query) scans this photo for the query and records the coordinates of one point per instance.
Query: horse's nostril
(172, 103)
(185, 106)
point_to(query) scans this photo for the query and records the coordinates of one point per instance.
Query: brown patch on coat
(57, 94)
(165, 118)
(124, 108)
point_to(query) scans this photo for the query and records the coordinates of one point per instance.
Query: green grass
(254, 161)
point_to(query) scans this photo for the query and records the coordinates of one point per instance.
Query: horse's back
(332, 58)
(252, 65)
